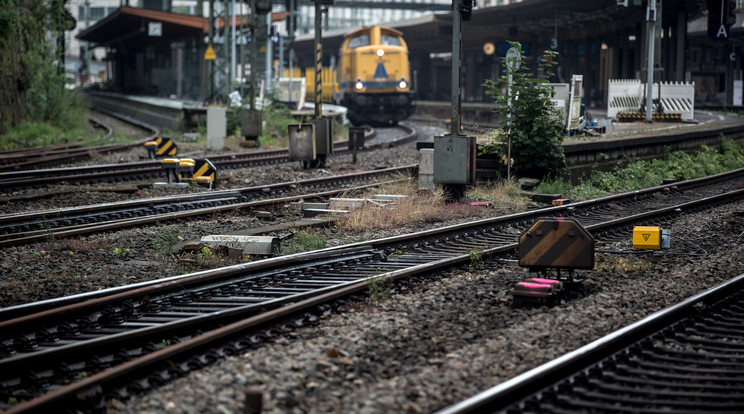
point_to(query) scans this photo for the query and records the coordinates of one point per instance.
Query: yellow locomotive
(374, 79)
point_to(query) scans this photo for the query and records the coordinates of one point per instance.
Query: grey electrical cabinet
(323, 136)
(301, 142)
(250, 123)
(454, 160)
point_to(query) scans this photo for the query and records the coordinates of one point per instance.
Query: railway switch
(650, 237)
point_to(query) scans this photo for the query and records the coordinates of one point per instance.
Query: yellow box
(645, 237)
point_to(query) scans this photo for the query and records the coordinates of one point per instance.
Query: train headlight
(358, 84)
(402, 84)
(380, 52)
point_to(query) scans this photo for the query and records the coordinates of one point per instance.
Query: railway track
(683, 359)
(59, 154)
(153, 169)
(22, 228)
(47, 345)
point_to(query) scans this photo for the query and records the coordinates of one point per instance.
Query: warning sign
(209, 54)
(380, 71)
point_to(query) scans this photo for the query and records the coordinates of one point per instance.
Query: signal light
(359, 84)
(466, 8)
(380, 52)
(402, 84)
(730, 11)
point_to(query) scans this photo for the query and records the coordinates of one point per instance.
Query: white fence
(627, 95)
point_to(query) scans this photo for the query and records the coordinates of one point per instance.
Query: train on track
(374, 77)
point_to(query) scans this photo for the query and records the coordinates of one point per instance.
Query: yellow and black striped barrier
(640, 116)
(161, 147)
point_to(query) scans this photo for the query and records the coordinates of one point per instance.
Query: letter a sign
(722, 33)
(720, 19)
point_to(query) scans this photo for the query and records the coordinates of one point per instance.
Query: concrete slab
(170, 185)
(248, 245)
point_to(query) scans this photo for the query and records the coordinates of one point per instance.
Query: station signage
(155, 29)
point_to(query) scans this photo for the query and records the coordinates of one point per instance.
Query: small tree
(531, 120)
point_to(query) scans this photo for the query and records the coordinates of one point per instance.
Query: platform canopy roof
(131, 24)
(576, 19)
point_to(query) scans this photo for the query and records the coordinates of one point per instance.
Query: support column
(681, 36)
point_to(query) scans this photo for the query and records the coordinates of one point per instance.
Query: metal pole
(318, 61)
(651, 33)
(291, 69)
(254, 53)
(269, 46)
(241, 59)
(232, 47)
(456, 53)
(210, 63)
(508, 125)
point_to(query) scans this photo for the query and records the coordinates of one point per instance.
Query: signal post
(454, 154)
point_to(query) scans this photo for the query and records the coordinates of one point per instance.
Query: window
(96, 13)
(357, 41)
(389, 40)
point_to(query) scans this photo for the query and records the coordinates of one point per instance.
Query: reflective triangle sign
(380, 71)
(209, 54)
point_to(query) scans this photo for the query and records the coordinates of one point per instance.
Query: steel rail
(239, 326)
(229, 200)
(524, 218)
(509, 392)
(150, 169)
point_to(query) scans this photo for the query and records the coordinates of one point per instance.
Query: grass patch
(503, 195)
(301, 241)
(417, 206)
(379, 288)
(427, 207)
(643, 174)
(68, 125)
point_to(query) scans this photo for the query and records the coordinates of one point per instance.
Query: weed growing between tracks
(379, 288)
(302, 241)
(165, 242)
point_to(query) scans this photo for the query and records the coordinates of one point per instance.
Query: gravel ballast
(438, 339)
(435, 343)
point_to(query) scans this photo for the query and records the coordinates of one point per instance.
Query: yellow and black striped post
(318, 60)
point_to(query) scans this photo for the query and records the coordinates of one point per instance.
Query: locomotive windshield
(389, 40)
(357, 41)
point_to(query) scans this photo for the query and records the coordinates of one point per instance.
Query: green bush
(531, 121)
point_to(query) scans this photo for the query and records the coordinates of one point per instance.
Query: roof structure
(131, 24)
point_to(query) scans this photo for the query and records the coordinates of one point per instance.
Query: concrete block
(426, 161)
(388, 197)
(248, 245)
(345, 203)
(169, 185)
(216, 128)
(311, 206)
(314, 212)
(426, 182)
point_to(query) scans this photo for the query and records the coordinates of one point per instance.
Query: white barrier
(627, 95)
